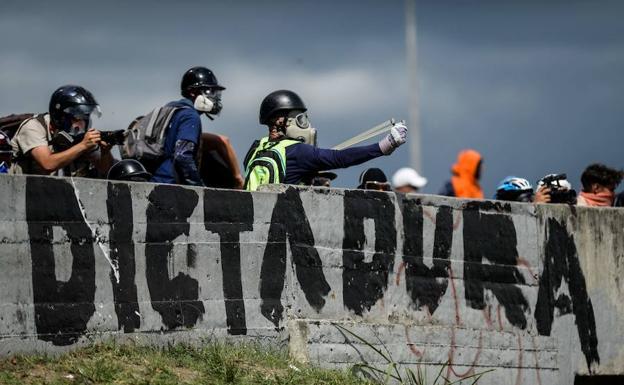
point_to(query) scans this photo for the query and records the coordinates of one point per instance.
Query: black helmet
(70, 101)
(198, 78)
(129, 170)
(374, 179)
(282, 100)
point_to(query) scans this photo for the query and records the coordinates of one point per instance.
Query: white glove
(396, 137)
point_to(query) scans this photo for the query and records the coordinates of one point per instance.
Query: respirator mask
(298, 128)
(209, 102)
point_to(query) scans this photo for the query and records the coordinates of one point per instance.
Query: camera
(560, 189)
(114, 138)
(62, 140)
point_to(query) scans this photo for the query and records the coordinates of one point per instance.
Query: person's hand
(105, 147)
(91, 139)
(238, 182)
(396, 137)
(542, 195)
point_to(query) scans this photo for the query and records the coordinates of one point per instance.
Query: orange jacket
(464, 179)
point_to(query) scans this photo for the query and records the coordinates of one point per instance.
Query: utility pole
(413, 107)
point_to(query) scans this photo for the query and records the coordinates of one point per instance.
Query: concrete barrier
(531, 291)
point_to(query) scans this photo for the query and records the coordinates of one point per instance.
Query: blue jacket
(303, 159)
(447, 189)
(181, 146)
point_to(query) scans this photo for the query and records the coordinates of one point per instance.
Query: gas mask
(209, 102)
(298, 128)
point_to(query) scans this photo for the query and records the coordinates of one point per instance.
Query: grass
(401, 375)
(212, 364)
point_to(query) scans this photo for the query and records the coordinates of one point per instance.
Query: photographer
(599, 184)
(62, 139)
(555, 188)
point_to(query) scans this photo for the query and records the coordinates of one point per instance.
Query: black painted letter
(119, 207)
(175, 299)
(62, 309)
(289, 221)
(364, 283)
(426, 285)
(561, 263)
(227, 213)
(493, 237)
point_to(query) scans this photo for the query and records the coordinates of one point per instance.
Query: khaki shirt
(31, 135)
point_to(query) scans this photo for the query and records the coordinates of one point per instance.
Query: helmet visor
(83, 111)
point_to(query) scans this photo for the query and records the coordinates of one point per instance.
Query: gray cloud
(535, 87)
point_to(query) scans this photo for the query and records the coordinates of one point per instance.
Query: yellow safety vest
(266, 163)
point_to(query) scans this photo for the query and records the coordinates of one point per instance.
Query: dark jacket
(181, 147)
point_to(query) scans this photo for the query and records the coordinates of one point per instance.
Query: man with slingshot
(289, 154)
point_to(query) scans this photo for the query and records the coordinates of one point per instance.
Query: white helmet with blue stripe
(514, 189)
(513, 183)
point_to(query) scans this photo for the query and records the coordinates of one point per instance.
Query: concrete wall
(532, 291)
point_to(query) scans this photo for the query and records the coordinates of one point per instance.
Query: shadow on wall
(598, 380)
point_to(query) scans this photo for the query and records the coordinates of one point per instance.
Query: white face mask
(209, 102)
(203, 104)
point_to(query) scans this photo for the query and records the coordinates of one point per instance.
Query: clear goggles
(214, 93)
(379, 186)
(83, 111)
(301, 119)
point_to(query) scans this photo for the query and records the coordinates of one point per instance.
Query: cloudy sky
(536, 86)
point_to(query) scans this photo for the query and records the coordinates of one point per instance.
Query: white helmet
(513, 183)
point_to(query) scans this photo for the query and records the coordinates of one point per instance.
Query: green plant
(395, 374)
(214, 363)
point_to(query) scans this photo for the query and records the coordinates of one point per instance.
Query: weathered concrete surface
(531, 291)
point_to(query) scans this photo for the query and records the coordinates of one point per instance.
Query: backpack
(265, 163)
(145, 137)
(11, 123)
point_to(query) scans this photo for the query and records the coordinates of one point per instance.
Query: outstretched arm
(318, 159)
(304, 159)
(311, 158)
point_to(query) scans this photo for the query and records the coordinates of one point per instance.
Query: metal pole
(413, 107)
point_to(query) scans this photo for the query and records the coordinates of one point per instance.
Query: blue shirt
(185, 125)
(303, 159)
